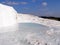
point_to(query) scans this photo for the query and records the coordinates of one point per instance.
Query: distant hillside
(54, 18)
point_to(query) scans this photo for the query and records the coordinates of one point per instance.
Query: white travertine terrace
(27, 18)
(7, 16)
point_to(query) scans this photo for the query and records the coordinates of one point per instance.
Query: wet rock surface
(27, 35)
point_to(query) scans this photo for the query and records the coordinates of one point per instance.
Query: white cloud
(44, 3)
(12, 3)
(15, 3)
(23, 3)
(3, 2)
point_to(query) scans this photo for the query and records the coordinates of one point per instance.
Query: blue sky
(35, 7)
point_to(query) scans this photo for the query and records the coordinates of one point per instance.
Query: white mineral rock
(27, 18)
(7, 16)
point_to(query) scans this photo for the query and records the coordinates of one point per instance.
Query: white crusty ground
(26, 18)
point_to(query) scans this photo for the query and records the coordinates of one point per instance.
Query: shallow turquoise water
(33, 27)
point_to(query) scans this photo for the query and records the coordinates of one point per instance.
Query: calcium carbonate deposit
(31, 30)
(7, 16)
(26, 18)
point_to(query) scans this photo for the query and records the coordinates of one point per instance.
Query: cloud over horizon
(44, 3)
(15, 3)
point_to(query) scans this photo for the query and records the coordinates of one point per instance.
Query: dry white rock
(7, 15)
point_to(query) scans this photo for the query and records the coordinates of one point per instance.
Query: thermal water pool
(29, 34)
